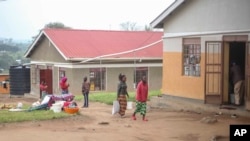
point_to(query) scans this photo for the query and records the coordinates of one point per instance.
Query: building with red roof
(204, 39)
(98, 54)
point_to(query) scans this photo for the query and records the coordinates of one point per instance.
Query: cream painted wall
(56, 88)
(155, 78)
(209, 15)
(172, 45)
(46, 52)
(173, 82)
(77, 79)
(176, 84)
(112, 78)
(34, 86)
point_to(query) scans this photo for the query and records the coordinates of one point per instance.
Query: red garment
(142, 92)
(66, 104)
(43, 87)
(63, 84)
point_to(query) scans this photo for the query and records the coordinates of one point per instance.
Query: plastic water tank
(19, 80)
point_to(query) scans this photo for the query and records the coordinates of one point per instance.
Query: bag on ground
(116, 107)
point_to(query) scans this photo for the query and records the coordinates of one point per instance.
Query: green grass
(104, 97)
(6, 116)
(109, 97)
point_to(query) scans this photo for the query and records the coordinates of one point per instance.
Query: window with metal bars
(97, 79)
(191, 56)
(62, 73)
(138, 73)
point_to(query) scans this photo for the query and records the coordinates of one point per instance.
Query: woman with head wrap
(64, 85)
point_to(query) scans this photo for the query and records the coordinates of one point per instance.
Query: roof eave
(60, 52)
(158, 22)
(27, 53)
(124, 58)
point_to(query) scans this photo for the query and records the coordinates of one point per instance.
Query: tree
(10, 52)
(132, 26)
(6, 61)
(129, 26)
(8, 48)
(56, 25)
(148, 28)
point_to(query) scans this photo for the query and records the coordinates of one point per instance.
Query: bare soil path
(97, 124)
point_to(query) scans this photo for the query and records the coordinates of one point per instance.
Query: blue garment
(86, 99)
(65, 91)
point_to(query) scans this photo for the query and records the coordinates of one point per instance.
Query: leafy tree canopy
(10, 52)
(56, 25)
(8, 48)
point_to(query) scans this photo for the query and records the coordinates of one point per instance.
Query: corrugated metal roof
(93, 43)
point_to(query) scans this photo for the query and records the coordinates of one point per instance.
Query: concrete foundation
(198, 106)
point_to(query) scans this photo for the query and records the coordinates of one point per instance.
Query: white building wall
(172, 44)
(175, 44)
(209, 15)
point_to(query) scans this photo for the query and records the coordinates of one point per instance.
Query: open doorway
(236, 55)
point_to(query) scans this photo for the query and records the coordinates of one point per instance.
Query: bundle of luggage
(49, 100)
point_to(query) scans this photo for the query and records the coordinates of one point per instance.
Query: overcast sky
(22, 19)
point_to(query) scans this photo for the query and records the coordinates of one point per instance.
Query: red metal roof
(93, 43)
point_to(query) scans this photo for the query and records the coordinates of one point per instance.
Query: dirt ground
(96, 123)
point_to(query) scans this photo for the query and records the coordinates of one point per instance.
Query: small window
(139, 72)
(62, 73)
(191, 56)
(97, 79)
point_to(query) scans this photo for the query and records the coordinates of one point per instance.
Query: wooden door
(247, 77)
(46, 75)
(213, 72)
